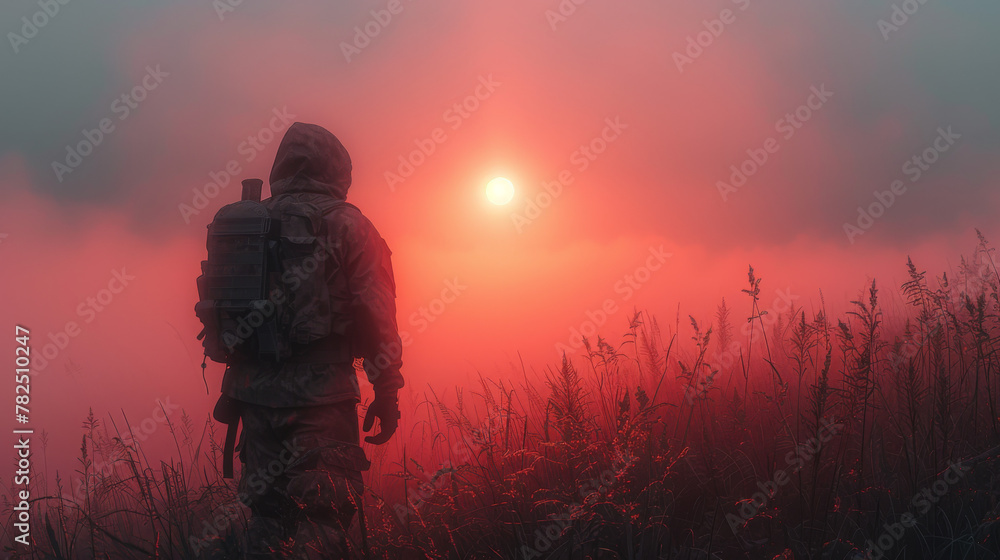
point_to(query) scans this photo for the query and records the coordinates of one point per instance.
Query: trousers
(301, 479)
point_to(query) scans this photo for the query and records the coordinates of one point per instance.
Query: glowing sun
(500, 191)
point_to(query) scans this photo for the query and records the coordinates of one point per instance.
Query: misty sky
(685, 127)
(615, 105)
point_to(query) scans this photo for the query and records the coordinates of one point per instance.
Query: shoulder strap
(227, 411)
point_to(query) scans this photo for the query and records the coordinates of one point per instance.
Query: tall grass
(641, 448)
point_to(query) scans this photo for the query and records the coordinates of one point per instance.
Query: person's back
(300, 444)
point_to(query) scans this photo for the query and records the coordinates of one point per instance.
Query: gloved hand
(385, 407)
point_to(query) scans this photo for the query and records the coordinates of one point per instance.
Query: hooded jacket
(312, 165)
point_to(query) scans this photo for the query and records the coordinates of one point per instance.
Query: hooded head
(311, 160)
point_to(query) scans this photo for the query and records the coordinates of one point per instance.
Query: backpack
(263, 289)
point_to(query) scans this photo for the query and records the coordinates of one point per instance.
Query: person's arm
(376, 336)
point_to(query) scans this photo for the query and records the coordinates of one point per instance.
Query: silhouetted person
(300, 448)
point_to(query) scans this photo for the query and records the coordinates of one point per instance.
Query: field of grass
(871, 435)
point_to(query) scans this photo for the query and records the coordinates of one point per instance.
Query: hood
(311, 160)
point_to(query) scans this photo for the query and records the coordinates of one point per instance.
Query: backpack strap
(227, 411)
(230, 449)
